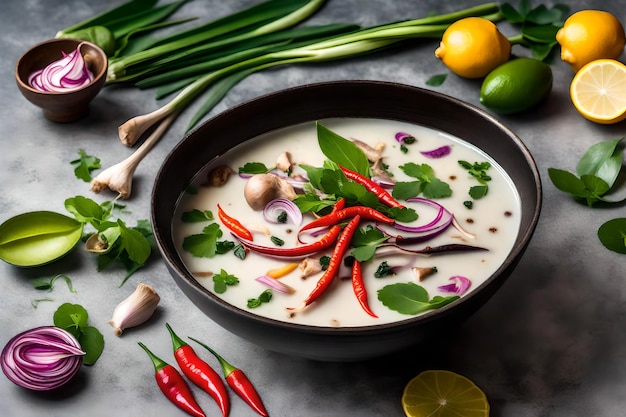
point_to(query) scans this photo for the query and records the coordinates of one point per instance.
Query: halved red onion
(438, 152)
(42, 358)
(458, 286)
(274, 209)
(66, 74)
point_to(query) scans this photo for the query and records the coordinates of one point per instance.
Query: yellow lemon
(598, 91)
(472, 47)
(588, 35)
(443, 394)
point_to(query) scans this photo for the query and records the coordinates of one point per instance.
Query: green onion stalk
(347, 45)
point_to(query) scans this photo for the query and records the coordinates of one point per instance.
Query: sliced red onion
(275, 284)
(403, 137)
(276, 207)
(42, 358)
(438, 152)
(459, 285)
(442, 220)
(67, 74)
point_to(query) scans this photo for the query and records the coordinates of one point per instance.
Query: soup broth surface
(493, 221)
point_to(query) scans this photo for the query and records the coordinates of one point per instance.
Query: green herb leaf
(612, 234)
(223, 280)
(85, 210)
(254, 168)
(264, 297)
(196, 216)
(384, 270)
(134, 243)
(84, 165)
(410, 298)
(92, 342)
(604, 160)
(240, 251)
(427, 183)
(71, 317)
(365, 242)
(48, 283)
(277, 241)
(478, 191)
(203, 245)
(342, 151)
(436, 80)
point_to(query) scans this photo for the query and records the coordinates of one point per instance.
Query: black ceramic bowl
(309, 103)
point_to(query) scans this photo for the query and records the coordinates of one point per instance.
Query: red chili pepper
(366, 213)
(341, 203)
(200, 372)
(233, 224)
(382, 194)
(172, 384)
(324, 242)
(359, 288)
(343, 243)
(239, 382)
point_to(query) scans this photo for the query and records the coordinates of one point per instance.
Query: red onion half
(67, 74)
(42, 358)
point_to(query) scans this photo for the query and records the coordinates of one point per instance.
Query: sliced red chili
(343, 243)
(239, 382)
(299, 251)
(359, 288)
(382, 194)
(233, 224)
(366, 213)
(200, 372)
(172, 384)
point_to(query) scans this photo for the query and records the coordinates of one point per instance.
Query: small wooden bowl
(61, 107)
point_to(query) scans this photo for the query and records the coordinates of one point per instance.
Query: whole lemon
(517, 85)
(472, 47)
(588, 35)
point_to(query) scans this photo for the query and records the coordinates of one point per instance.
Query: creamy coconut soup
(490, 222)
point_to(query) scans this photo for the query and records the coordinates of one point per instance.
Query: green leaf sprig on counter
(75, 319)
(596, 179)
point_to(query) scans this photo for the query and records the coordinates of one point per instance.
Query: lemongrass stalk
(119, 177)
(118, 67)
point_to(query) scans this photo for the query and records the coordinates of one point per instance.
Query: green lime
(516, 86)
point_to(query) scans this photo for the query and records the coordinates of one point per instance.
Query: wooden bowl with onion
(64, 101)
(254, 130)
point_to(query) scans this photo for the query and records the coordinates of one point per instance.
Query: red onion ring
(42, 358)
(276, 207)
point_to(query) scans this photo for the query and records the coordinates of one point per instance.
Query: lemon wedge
(598, 91)
(439, 393)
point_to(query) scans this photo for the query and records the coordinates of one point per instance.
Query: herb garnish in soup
(347, 222)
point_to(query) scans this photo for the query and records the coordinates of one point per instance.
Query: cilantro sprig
(477, 170)
(84, 164)
(426, 183)
(223, 280)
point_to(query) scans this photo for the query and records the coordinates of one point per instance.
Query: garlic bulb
(135, 310)
(263, 188)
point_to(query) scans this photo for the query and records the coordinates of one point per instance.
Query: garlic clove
(284, 162)
(136, 309)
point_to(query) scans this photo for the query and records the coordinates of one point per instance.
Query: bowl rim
(174, 263)
(96, 77)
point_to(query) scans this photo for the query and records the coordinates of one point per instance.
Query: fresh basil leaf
(342, 151)
(134, 243)
(436, 80)
(541, 15)
(365, 242)
(203, 245)
(567, 182)
(70, 317)
(612, 234)
(542, 51)
(85, 210)
(195, 216)
(603, 160)
(540, 34)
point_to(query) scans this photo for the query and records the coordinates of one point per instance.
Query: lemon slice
(598, 91)
(439, 393)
